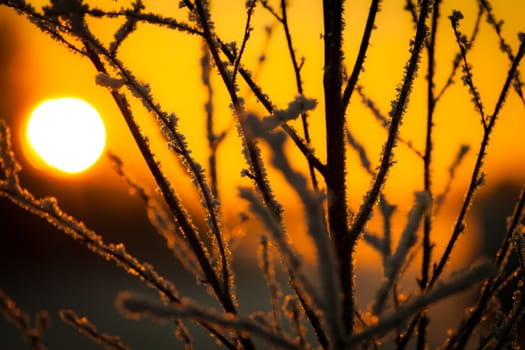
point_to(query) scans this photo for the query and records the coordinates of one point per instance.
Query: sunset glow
(67, 134)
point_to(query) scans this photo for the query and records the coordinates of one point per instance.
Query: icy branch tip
(456, 17)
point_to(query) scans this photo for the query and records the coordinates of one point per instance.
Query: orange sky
(169, 62)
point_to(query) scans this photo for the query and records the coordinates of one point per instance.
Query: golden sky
(43, 69)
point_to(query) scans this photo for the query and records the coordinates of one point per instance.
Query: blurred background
(41, 268)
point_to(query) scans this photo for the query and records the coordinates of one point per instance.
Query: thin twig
(477, 175)
(490, 287)
(135, 306)
(267, 104)
(32, 334)
(299, 85)
(391, 321)
(84, 326)
(457, 59)
(361, 55)
(247, 31)
(397, 113)
(504, 46)
(427, 171)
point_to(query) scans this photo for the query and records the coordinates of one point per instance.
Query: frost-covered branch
(136, 306)
(84, 326)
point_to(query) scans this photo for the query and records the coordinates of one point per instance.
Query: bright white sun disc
(67, 133)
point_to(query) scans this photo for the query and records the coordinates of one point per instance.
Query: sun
(67, 134)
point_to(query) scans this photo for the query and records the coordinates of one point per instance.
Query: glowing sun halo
(67, 133)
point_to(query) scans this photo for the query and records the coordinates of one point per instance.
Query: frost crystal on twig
(85, 327)
(408, 239)
(105, 80)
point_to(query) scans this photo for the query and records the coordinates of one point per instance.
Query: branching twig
(388, 322)
(136, 306)
(13, 314)
(399, 106)
(82, 324)
(477, 175)
(358, 65)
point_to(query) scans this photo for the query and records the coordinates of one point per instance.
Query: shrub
(321, 302)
